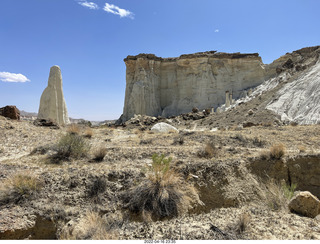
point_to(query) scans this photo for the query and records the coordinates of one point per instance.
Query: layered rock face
(171, 86)
(52, 103)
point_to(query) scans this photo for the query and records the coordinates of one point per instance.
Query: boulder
(52, 103)
(46, 123)
(163, 128)
(10, 112)
(306, 204)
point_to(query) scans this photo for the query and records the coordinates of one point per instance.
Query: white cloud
(12, 77)
(90, 5)
(216, 30)
(110, 8)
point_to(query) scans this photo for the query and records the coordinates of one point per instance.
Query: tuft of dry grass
(73, 129)
(209, 151)
(18, 185)
(302, 149)
(277, 195)
(90, 227)
(88, 133)
(99, 154)
(165, 194)
(277, 151)
(243, 222)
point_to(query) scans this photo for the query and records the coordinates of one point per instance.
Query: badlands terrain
(229, 174)
(241, 186)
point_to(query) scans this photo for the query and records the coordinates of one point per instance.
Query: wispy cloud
(12, 77)
(90, 5)
(216, 30)
(110, 8)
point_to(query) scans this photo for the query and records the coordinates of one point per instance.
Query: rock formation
(306, 204)
(10, 112)
(52, 103)
(171, 86)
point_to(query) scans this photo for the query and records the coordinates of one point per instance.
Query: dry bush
(277, 195)
(145, 141)
(88, 133)
(209, 151)
(302, 149)
(97, 186)
(19, 185)
(70, 146)
(277, 151)
(73, 129)
(99, 154)
(90, 227)
(165, 194)
(178, 140)
(243, 222)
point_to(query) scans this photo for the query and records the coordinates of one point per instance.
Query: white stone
(163, 128)
(170, 87)
(299, 100)
(52, 103)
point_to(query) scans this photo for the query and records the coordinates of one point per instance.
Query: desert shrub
(302, 149)
(99, 154)
(73, 129)
(178, 140)
(40, 150)
(243, 222)
(97, 186)
(88, 133)
(19, 185)
(145, 141)
(71, 146)
(256, 141)
(209, 151)
(164, 194)
(90, 227)
(277, 151)
(277, 195)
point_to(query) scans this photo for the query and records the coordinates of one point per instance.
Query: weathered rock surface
(52, 103)
(163, 128)
(10, 112)
(299, 100)
(306, 204)
(171, 86)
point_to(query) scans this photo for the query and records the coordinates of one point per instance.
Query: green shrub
(71, 146)
(164, 194)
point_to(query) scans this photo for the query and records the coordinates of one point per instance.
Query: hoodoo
(52, 103)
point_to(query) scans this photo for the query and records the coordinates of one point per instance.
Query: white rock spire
(52, 103)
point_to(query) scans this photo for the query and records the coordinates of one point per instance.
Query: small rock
(250, 112)
(306, 204)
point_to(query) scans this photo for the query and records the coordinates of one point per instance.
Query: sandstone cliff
(171, 86)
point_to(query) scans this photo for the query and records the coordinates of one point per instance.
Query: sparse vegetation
(88, 133)
(165, 194)
(277, 151)
(243, 222)
(178, 140)
(90, 227)
(18, 185)
(71, 146)
(97, 186)
(209, 151)
(73, 129)
(99, 154)
(278, 195)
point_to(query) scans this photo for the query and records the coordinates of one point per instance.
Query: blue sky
(90, 39)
